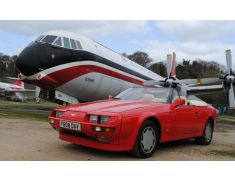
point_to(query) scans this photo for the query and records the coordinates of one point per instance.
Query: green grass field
(224, 153)
(226, 119)
(28, 110)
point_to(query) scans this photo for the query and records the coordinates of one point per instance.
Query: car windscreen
(157, 95)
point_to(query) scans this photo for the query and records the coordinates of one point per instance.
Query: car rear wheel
(207, 134)
(146, 141)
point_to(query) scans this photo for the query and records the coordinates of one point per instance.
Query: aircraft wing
(204, 89)
(203, 81)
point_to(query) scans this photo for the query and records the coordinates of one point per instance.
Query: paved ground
(23, 139)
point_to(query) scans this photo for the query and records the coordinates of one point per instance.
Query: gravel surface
(23, 139)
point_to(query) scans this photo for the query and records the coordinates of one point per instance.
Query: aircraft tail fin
(19, 83)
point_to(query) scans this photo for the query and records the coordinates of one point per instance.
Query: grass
(28, 110)
(30, 104)
(224, 153)
(226, 119)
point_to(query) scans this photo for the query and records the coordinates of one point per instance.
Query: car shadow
(95, 154)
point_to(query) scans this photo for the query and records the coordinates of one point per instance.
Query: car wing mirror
(178, 102)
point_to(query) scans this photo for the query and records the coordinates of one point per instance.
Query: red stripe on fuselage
(173, 66)
(63, 76)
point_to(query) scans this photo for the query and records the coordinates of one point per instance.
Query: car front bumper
(87, 137)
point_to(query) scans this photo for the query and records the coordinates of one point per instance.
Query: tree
(141, 58)
(159, 68)
(8, 67)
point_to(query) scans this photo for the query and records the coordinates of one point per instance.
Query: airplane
(72, 68)
(14, 91)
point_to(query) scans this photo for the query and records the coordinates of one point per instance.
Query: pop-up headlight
(58, 114)
(98, 119)
(93, 118)
(104, 119)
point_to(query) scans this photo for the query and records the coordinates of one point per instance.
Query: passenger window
(79, 45)
(66, 42)
(73, 44)
(49, 39)
(58, 42)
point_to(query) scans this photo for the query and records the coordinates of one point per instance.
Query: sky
(206, 40)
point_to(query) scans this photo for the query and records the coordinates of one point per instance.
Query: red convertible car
(136, 120)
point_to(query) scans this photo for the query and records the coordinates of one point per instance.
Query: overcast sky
(206, 40)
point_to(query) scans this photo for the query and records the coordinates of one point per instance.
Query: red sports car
(136, 120)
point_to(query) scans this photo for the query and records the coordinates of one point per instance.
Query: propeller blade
(231, 97)
(169, 64)
(173, 66)
(153, 83)
(229, 60)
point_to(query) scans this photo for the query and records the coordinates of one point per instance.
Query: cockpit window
(73, 44)
(66, 42)
(58, 42)
(79, 45)
(39, 38)
(49, 39)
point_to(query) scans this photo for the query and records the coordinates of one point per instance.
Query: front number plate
(70, 125)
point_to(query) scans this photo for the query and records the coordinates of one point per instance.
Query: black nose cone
(28, 61)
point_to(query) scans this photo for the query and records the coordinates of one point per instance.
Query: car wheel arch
(157, 123)
(210, 118)
(152, 118)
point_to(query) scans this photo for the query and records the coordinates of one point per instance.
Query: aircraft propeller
(229, 80)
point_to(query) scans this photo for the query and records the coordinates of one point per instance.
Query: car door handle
(196, 113)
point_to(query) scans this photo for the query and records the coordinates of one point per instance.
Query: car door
(201, 118)
(185, 117)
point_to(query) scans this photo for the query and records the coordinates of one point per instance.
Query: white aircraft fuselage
(9, 87)
(79, 67)
(13, 91)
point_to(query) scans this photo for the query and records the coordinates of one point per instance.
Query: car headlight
(58, 114)
(104, 119)
(93, 118)
(98, 119)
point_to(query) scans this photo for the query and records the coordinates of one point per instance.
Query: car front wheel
(146, 141)
(207, 134)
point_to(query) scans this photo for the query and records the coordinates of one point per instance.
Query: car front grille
(76, 134)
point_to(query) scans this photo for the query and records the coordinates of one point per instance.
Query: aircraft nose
(28, 61)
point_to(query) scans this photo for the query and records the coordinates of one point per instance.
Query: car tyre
(207, 134)
(146, 141)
